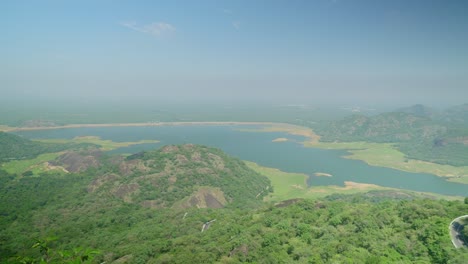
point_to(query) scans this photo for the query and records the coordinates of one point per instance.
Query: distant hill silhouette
(419, 131)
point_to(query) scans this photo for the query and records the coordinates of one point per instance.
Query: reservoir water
(289, 156)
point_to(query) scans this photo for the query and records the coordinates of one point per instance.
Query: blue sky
(315, 51)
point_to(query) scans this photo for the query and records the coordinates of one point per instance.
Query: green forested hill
(387, 127)
(338, 229)
(183, 176)
(456, 115)
(14, 147)
(150, 207)
(420, 110)
(417, 131)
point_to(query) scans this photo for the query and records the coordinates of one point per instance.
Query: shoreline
(450, 173)
(183, 123)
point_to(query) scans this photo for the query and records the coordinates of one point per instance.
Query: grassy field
(285, 185)
(293, 185)
(35, 165)
(105, 144)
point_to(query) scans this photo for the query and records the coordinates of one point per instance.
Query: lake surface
(258, 147)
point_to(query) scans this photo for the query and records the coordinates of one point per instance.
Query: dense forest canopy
(109, 203)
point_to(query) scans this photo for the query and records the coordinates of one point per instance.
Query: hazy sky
(310, 51)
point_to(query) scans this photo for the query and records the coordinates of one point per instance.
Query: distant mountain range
(419, 110)
(420, 132)
(456, 115)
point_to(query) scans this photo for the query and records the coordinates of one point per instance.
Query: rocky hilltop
(174, 176)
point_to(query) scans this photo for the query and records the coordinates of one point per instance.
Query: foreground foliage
(103, 204)
(336, 229)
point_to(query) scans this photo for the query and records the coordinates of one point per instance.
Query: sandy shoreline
(322, 174)
(214, 123)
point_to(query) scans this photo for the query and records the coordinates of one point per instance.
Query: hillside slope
(417, 131)
(13, 147)
(182, 176)
(386, 127)
(151, 207)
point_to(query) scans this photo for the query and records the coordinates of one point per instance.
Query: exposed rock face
(216, 161)
(98, 182)
(125, 191)
(78, 161)
(206, 197)
(169, 149)
(131, 166)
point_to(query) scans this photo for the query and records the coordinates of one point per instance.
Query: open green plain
(34, 165)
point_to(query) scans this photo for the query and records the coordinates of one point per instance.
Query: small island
(280, 140)
(322, 174)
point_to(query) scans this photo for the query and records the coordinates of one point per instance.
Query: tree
(50, 255)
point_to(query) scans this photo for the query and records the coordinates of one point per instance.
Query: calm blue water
(258, 147)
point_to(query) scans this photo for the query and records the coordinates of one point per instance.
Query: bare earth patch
(49, 167)
(206, 197)
(76, 162)
(125, 191)
(97, 183)
(169, 149)
(216, 161)
(295, 186)
(360, 186)
(128, 167)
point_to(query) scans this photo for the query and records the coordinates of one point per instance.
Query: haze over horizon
(324, 51)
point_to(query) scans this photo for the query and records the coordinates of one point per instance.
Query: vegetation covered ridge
(151, 206)
(417, 132)
(13, 147)
(360, 228)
